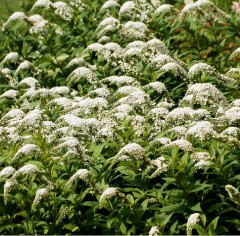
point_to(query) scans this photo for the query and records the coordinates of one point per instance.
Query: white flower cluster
(81, 73)
(202, 158)
(203, 8)
(40, 194)
(163, 9)
(204, 94)
(82, 174)
(106, 26)
(230, 134)
(63, 10)
(159, 165)
(192, 221)
(107, 194)
(132, 150)
(8, 186)
(39, 24)
(10, 57)
(7, 171)
(134, 30)
(27, 169)
(15, 21)
(27, 149)
(32, 119)
(233, 193)
(153, 231)
(109, 5)
(202, 130)
(235, 55)
(182, 144)
(42, 4)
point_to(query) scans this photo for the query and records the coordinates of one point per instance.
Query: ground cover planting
(120, 117)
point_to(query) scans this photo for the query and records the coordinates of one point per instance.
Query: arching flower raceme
(192, 221)
(40, 194)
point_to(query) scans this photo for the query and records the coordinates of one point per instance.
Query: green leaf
(167, 219)
(197, 208)
(21, 213)
(200, 229)
(200, 187)
(109, 222)
(213, 225)
(98, 150)
(173, 208)
(123, 229)
(203, 219)
(70, 227)
(145, 205)
(173, 227)
(130, 198)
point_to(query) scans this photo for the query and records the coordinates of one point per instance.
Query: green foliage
(121, 119)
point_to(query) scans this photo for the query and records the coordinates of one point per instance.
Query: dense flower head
(132, 149)
(202, 130)
(10, 57)
(204, 94)
(40, 194)
(163, 9)
(81, 73)
(107, 194)
(27, 169)
(159, 165)
(27, 149)
(134, 30)
(82, 174)
(192, 221)
(233, 192)
(7, 171)
(153, 231)
(110, 4)
(182, 144)
(63, 10)
(42, 4)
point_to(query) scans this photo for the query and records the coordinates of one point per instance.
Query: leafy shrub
(120, 117)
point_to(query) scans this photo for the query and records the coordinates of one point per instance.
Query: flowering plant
(120, 117)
